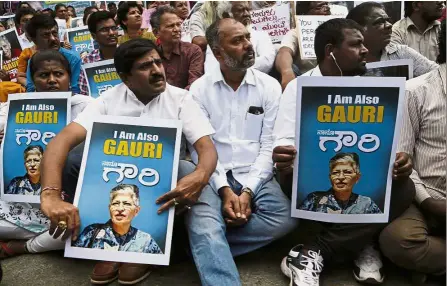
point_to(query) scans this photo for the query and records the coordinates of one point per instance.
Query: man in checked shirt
(416, 240)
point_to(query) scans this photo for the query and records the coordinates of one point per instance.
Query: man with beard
(420, 27)
(104, 31)
(183, 62)
(340, 52)
(43, 31)
(142, 93)
(377, 33)
(246, 209)
(262, 45)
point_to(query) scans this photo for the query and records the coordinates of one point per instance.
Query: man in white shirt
(262, 44)
(143, 93)
(340, 52)
(246, 209)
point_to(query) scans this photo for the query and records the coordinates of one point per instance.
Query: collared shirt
(285, 122)
(424, 133)
(23, 186)
(73, 59)
(173, 103)
(290, 40)
(92, 57)
(102, 236)
(421, 65)
(243, 120)
(264, 51)
(184, 66)
(425, 42)
(325, 202)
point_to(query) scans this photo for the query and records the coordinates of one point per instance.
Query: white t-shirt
(173, 103)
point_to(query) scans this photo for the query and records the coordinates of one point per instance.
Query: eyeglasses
(32, 161)
(124, 205)
(107, 29)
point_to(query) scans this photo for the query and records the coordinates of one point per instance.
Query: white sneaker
(368, 267)
(303, 270)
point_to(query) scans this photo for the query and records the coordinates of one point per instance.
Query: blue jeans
(213, 245)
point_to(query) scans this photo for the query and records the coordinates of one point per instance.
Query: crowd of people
(235, 93)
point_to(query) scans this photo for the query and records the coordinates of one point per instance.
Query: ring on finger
(62, 224)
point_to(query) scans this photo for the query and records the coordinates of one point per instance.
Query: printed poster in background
(393, 68)
(101, 76)
(80, 39)
(346, 137)
(79, 6)
(306, 26)
(33, 120)
(11, 48)
(127, 164)
(274, 20)
(77, 22)
(1, 60)
(8, 21)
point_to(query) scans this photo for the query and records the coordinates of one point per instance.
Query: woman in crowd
(130, 19)
(23, 228)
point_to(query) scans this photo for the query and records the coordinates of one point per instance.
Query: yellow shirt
(143, 34)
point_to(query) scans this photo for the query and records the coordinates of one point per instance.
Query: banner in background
(306, 26)
(346, 137)
(274, 20)
(33, 120)
(127, 164)
(80, 39)
(11, 47)
(101, 76)
(393, 68)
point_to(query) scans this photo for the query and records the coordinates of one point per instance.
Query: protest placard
(274, 20)
(346, 136)
(77, 22)
(306, 26)
(8, 21)
(101, 76)
(127, 164)
(80, 39)
(11, 47)
(393, 68)
(33, 120)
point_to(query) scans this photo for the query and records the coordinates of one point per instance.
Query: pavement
(260, 268)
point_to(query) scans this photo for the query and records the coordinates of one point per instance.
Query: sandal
(12, 248)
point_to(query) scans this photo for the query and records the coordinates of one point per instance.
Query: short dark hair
(59, 6)
(156, 16)
(111, 4)
(129, 52)
(302, 7)
(124, 9)
(40, 21)
(331, 32)
(97, 17)
(408, 8)
(47, 55)
(69, 6)
(22, 12)
(52, 13)
(30, 148)
(212, 33)
(441, 44)
(87, 11)
(360, 12)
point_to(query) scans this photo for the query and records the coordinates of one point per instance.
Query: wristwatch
(248, 191)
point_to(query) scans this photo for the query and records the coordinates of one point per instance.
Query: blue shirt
(75, 66)
(23, 186)
(325, 202)
(102, 236)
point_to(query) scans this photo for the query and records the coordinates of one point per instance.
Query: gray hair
(35, 149)
(156, 16)
(350, 158)
(126, 188)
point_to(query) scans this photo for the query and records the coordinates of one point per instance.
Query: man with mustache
(246, 209)
(377, 34)
(118, 233)
(43, 31)
(183, 62)
(262, 45)
(420, 28)
(340, 51)
(143, 93)
(104, 31)
(30, 183)
(344, 173)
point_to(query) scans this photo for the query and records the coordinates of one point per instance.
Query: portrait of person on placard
(340, 198)
(117, 233)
